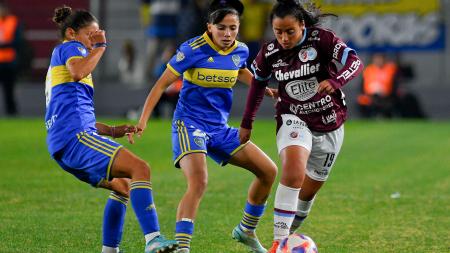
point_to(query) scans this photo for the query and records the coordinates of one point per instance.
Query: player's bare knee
(142, 170)
(198, 186)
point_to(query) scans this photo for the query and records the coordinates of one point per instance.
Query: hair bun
(287, 2)
(221, 4)
(61, 13)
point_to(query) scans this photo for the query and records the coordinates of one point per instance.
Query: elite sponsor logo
(304, 70)
(302, 90)
(293, 135)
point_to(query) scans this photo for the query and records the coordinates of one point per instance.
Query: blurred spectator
(254, 23)
(162, 28)
(10, 40)
(169, 98)
(193, 19)
(378, 93)
(127, 64)
(407, 104)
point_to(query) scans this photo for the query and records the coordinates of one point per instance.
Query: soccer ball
(297, 243)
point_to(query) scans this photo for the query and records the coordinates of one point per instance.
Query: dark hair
(294, 8)
(218, 9)
(65, 18)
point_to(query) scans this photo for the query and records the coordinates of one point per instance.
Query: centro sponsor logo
(304, 70)
(312, 107)
(215, 78)
(302, 90)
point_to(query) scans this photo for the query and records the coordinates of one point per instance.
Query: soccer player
(73, 135)
(211, 64)
(310, 111)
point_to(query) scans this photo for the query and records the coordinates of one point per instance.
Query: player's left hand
(270, 92)
(244, 135)
(325, 87)
(122, 130)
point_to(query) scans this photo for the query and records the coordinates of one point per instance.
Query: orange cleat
(274, 247)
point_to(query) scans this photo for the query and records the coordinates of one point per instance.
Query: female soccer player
(310, 111)
(74, 140)
(211, 64)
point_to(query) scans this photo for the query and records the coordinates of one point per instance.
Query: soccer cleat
(160, 244)
(248, 239)
(274, 247)
(184, 250)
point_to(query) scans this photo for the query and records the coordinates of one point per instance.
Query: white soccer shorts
(324, 147)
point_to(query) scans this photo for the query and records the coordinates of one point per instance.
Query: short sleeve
(260, 67)
(335, 46)
(72, 50)
(183, 59)
(245, 54)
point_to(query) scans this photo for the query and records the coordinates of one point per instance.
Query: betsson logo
(215, 78)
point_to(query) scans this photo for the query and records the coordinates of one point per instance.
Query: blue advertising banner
(392, 25)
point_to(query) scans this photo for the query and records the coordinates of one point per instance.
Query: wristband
(113, 130)
(101, 44)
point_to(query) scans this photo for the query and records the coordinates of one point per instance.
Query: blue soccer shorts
(220, 142)
(89, 157)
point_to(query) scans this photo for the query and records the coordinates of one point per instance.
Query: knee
(142, 170)
(198, 186)
(269, 173)
(293, 176)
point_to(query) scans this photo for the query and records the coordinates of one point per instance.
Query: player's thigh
(194, 169)
(126, 164)
(252, 158)
(293, 165)
(187, 138)
(326, 148)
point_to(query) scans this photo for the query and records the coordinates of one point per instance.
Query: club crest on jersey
(82, 50)
(180, 56)
(307, 54)
(236, 59)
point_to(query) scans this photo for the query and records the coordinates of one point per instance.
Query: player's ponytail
(218, 9)
(65, 18)
(310, 15)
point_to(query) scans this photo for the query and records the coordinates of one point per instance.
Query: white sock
(286, 199)
(151, 236)
(303, 209)
(107, 249)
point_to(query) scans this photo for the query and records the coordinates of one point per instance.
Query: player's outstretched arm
(116, 131)
(246, 76)
(166, 79)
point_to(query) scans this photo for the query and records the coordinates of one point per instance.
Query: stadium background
(389, 191)
(414, 30)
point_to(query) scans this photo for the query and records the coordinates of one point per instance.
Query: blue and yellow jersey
(69, 104)
(208, 77)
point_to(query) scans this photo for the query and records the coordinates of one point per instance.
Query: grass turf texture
(44, 209)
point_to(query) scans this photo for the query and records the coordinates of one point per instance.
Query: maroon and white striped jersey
(299, 71)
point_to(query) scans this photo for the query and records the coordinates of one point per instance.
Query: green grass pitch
(44, 209)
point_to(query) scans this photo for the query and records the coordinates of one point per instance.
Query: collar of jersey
(303, 39)
(213, 46)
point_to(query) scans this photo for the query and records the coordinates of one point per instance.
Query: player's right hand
(244, 135)
(98, 36)
(140, 127)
